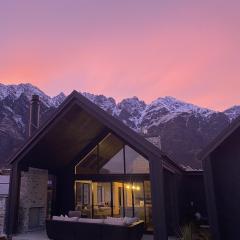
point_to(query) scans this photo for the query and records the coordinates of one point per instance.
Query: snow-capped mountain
(181, 129)
(233, 112)
(15, 92)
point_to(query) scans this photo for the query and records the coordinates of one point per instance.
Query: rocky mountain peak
(233, 112)
(106, 103)
(15, 91)
(181, 129)
(174, 105)
(57, 100)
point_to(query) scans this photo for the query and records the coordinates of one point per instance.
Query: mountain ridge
(181, 129)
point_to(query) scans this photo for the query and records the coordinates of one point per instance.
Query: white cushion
(129, 220)
(58, 218)
(114, 221)
(71, 219)
(65, 218)
(90, 220)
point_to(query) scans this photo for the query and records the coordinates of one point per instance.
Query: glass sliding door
(83, 197)
(102, 199)
(115, 198)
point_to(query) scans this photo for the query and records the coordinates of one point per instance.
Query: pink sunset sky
(123, 48)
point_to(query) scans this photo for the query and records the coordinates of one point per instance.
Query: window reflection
(135, 163)
(111, 156)
(83, 197)
(118, 199)
(114, 165)
(139, 203)
(101, 199)
(128, 199)
(88, 165)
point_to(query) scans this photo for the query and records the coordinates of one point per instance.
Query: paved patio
(41, 235)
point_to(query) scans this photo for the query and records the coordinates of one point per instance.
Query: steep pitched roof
(78, 102)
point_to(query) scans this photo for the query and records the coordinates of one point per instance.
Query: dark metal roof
(224, 135)
(75, 124)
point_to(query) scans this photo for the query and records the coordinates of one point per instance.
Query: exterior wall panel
(226, 179)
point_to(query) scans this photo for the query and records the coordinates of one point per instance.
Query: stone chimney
(34, 114)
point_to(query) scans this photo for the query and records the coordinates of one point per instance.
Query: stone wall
(3, 205)
(33, 200)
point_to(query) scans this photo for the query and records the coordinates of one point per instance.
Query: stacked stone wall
(33, 199)
(3, 207)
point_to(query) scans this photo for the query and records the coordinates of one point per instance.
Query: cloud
(149, 49)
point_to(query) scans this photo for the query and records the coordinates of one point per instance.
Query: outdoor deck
(41, 235)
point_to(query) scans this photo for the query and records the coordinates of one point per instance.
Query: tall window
(112, 156)
(135, 163)
(102, 199)
(114, 165)
(88, 164)
(83, 197)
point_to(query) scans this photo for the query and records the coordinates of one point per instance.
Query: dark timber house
(221, 162)
(83, 158)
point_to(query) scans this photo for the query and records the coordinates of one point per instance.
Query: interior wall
(116, 186)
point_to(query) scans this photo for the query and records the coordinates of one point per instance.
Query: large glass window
(135, 163)
(111, 155)
(83, 197)
(114, 165)
(115, 198)
(88, 165)
(101, 199)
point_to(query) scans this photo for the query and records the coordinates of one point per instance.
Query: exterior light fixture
(138, 188)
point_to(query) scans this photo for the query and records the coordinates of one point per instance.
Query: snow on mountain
(163, 110)
(108, 104)
(130, 111)
(176, 106)
(181, 129)
(15, 91)
(233, 112)
(57, 100)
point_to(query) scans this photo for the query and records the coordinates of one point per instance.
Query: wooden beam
(157, 193)
(13, 200)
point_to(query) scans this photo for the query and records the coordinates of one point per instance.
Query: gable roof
(224, 135)
(96, 118)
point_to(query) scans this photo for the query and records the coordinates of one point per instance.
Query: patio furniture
(74, 230)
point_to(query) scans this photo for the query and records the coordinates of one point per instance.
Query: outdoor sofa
(93, 229)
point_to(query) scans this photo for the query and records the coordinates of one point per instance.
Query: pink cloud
(189, 52)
